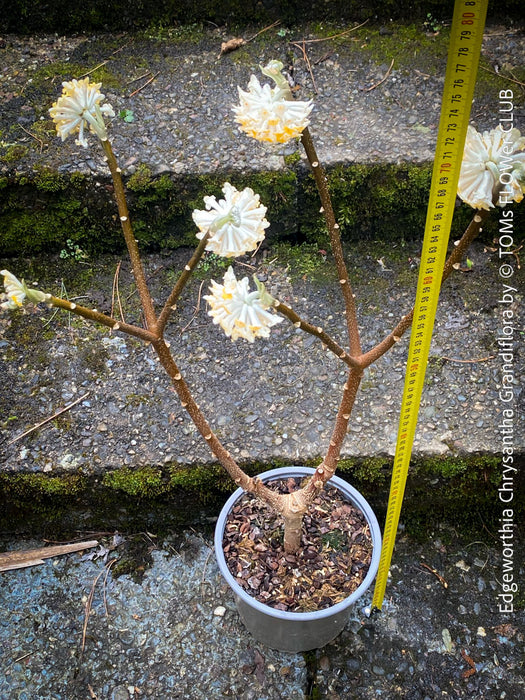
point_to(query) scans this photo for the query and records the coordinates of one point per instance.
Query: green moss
(26, 231)
(203, 480)
(41, 486)
(146, 482)
(461, 492)
(191, 34)
(77, 180)
(44, 130)
(48, 180)
(141, 180)
(408, 46)
(292, 159)
(14, 153)
(366, 202)
(162, 206)
(489, 83)
(55, 72)
(42, 213)
(369, 470)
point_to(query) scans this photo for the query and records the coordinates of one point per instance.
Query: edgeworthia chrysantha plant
(235, 225)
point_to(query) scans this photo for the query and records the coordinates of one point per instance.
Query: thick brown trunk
(293, 527)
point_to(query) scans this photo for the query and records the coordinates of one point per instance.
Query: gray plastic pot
(291, 631)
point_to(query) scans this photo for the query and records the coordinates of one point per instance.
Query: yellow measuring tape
(462, 65)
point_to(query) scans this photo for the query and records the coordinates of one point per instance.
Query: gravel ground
(176, 633)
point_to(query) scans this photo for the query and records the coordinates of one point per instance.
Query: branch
(170, 304)
(250, 484)
(329, 464)
(335, 240)
(318, 332)
(97, 317)
(131, 243)
(392, 338)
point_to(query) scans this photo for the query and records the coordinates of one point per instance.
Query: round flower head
(492, 158)
(236, 223)
(271, 114)
(17, 292)
(240, 312)
(78, 105)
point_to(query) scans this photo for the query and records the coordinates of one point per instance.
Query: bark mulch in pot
(333, 560)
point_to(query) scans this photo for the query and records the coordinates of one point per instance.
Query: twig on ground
(135, 92)
(84, 75)
(197, 309)
(250, 267)
(115, 293)
(472, 670)
(270, 26)
(87, 612)
(505, 77)
(237, 42)
(440, 578)
(334, 36)
(301, 46)
(204, 569)
(373, 87)
(140, 77)
(108, 567)
(21, 559)
(47, 420)
(515, 253)
(480, 359)
(41, 143)
(325, 57)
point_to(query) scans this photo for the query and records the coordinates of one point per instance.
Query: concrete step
(377, 92)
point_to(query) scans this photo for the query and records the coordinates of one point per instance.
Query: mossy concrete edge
(44, 210)
(461, 491)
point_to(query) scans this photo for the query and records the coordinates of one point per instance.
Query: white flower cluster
(241, 313)
(493, 158)
(270, 114)
(235, 224)
(17, 292)
(78, 105)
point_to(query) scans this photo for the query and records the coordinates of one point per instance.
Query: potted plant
(281, 507)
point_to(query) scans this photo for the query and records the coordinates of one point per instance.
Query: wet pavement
(176, 634)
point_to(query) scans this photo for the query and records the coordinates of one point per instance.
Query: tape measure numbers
(462, 65)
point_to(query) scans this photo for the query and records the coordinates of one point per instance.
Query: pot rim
(354, 496)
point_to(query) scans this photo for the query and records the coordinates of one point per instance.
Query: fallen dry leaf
(505, 630)
(259, 667)
(231, 45)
